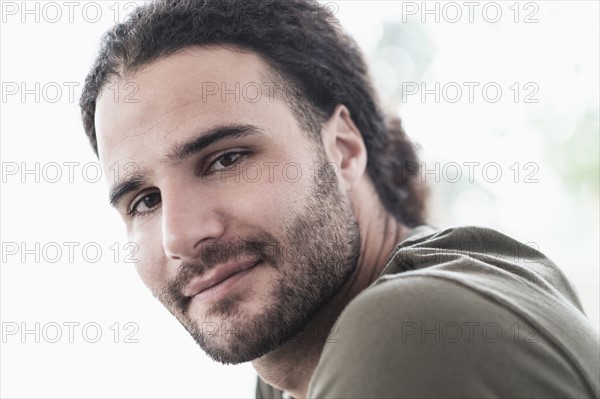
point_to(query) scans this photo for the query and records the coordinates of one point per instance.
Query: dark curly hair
(303, 43)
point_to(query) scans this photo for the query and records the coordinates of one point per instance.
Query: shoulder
(425, 336)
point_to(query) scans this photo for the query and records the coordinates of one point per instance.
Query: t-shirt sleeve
(423, 336)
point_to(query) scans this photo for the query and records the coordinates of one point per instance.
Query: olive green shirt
(462, 312)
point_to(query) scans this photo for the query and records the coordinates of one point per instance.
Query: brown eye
(146, 204)
(224, 161)
(228, 159)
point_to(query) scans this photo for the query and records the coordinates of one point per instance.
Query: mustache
(263, 246)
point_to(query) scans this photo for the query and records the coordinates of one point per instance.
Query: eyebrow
(180, 152)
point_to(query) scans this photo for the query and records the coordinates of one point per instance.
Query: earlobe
(345, 146)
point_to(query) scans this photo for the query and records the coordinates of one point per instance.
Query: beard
(315, 258)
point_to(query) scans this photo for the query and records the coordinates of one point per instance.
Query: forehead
(140, 115)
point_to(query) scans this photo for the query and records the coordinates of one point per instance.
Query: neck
(290, 367)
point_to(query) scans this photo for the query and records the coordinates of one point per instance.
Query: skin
(333, 231)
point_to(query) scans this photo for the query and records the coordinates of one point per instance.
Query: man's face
(213, 178)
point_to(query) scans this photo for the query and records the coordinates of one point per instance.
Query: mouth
(220, 281)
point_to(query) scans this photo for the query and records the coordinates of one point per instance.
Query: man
(271, 198)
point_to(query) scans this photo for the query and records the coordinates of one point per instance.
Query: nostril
(171, 255)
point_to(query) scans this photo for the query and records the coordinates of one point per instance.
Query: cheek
(152, 263)
(151, 273)
(269, 203)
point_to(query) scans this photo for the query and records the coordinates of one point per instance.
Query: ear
(345, 146)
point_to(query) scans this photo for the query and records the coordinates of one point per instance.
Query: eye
(224, 161)
(145, 204)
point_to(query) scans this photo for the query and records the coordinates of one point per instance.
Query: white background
(558, 213)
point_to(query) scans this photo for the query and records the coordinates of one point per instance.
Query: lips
(217, 275)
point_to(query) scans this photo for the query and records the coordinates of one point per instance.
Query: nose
(188, 221)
